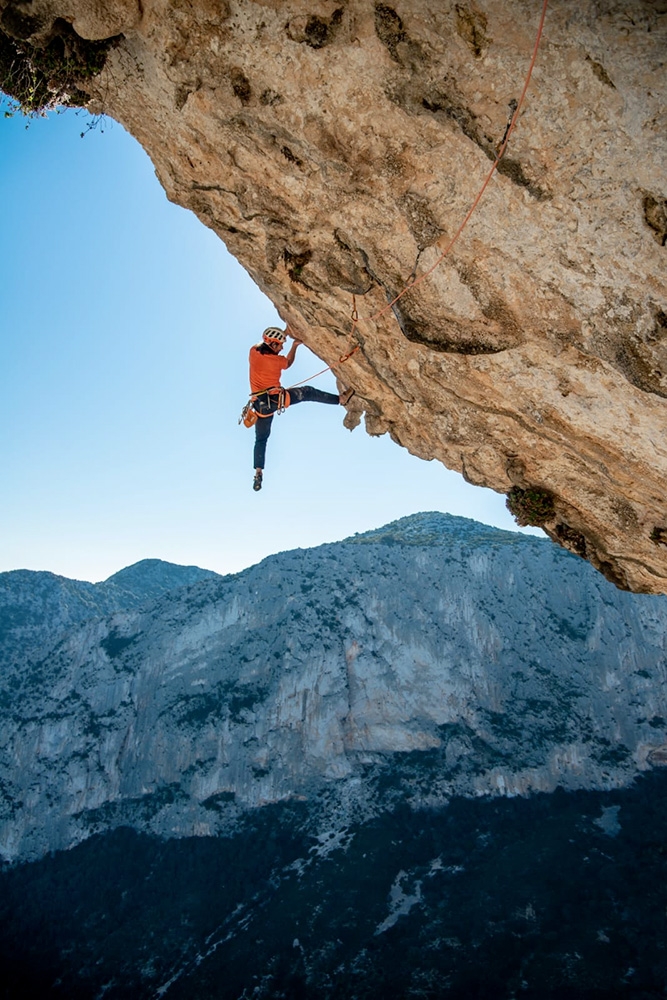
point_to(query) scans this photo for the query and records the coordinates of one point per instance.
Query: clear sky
(124, 333)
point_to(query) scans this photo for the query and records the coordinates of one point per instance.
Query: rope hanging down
(422, 277)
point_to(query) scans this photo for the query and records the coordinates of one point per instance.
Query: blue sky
(124, 333)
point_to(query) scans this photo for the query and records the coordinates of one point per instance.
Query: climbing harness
(412, 282)
(249, 415)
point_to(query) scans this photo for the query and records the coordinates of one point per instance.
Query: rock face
(436, 655)
(353, 723)
(336, 147)
(36, 607)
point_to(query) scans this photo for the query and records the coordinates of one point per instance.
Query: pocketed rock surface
(336, 147)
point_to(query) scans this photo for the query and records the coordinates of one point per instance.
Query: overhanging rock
(336, 146)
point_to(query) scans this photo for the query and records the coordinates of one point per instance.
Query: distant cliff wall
(336, 145)
(436, 657)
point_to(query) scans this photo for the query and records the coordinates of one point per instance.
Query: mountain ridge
(426, 527)
(460, 669)
(427, 760)
(70, 600)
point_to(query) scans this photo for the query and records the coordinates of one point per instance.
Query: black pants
(267, 404)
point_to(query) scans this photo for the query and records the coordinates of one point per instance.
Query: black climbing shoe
(257, 481)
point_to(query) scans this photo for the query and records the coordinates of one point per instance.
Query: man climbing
(266, 365)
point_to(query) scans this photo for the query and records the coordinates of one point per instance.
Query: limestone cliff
(435, 656)
(336, 145)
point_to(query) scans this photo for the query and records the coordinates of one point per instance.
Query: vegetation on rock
(46, 73)
(556, 896)
(533, 506)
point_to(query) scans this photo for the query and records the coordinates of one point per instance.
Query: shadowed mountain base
(553, 896)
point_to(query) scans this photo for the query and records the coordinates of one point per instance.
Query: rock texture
(336, 145)
(36, 607)
(436, 656)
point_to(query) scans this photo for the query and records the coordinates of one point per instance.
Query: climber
(268, 396)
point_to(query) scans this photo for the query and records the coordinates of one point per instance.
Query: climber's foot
(345, 397)
(257, 481)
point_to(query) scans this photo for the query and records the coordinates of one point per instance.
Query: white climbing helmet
(272, 335)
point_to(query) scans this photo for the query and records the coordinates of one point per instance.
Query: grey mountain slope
(37, 607)
(436, 528)
(150, 578)
(438, 655)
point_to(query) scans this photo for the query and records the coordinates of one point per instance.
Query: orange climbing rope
(499, 155)
(416, 281)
